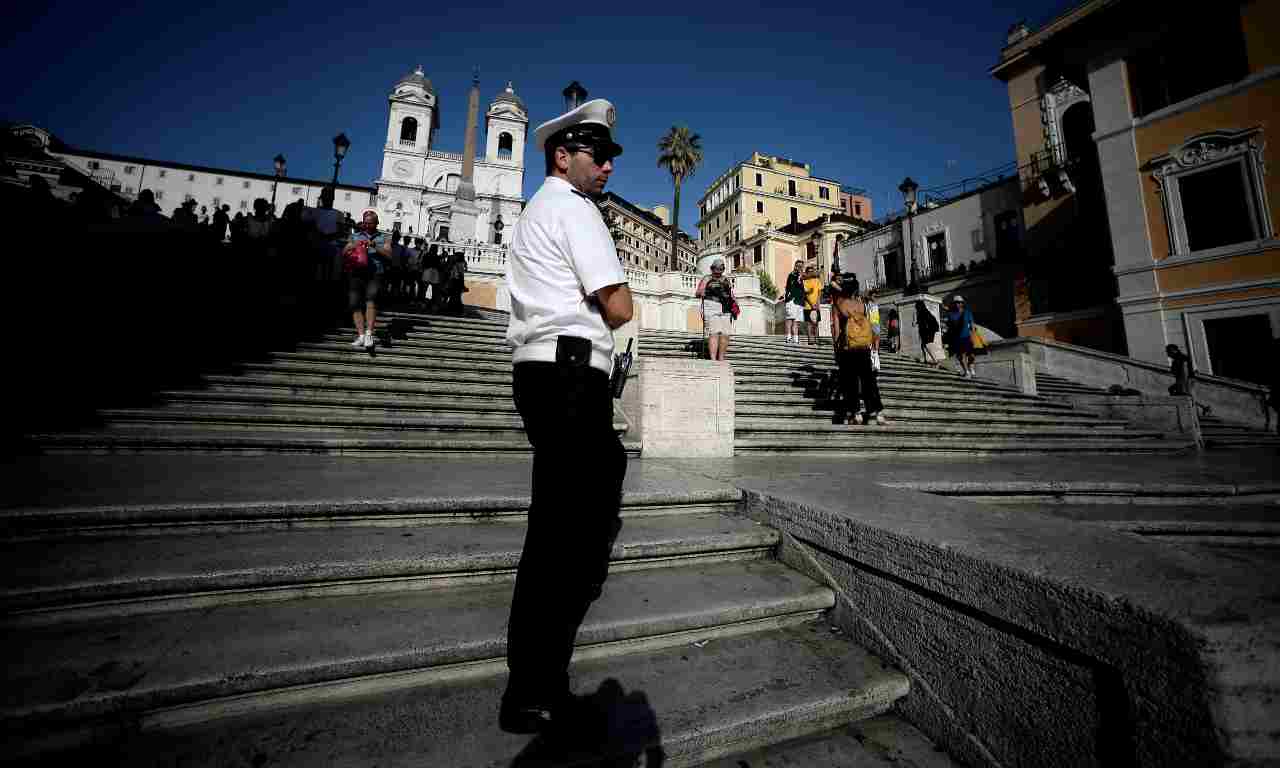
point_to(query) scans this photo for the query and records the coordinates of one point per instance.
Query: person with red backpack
(855, 338)
(364, 258)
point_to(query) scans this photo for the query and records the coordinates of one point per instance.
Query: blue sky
(866, 93)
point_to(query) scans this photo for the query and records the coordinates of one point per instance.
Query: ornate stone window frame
(1058, 97)
(1203, 152)
(929, 231)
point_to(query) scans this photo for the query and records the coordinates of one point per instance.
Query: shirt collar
(563, 184)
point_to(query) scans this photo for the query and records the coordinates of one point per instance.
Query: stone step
(748, 391)
(357, 372)
(257, 417)
(757, 428)
(126, 575)
(701, 702)
(425, 320)
(292, 513)
(989, 414)
(345, 360)
(1241, 441)
(886, 741)
(430, 344)
(883, 445)
(338, 639)
(151, 438)
(319, 397)
(316, 379)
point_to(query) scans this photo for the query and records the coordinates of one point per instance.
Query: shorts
(715, 319)
(795, 312)
(361, 290)
(813, 316)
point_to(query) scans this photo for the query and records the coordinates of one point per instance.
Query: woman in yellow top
(854, 337)
(812, 297)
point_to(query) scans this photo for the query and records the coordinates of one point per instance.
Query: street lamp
(279, 161)
(340, 145)
(908, 189)
(498, 226)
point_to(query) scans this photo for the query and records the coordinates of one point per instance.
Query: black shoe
(524, 718)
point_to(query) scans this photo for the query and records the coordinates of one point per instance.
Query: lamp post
(340, 145)
(498, 226)
(279, 161)
(908, 189)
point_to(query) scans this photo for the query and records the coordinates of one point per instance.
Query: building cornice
(94, 155)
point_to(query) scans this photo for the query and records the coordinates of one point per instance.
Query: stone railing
(1230, 399)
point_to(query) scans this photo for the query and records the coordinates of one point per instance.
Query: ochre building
(1143, 143)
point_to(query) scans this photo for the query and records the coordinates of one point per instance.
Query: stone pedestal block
(1012, 367)
(680, 408)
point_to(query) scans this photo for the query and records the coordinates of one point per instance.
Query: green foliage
(767, 287)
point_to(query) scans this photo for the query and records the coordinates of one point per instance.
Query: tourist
(238, 227)
(960, 325)
(895, 329)
(794, 305)
(716, 292)
(221, 218)
(927, 325)
(413, 278)
(366, 281)
(324, 227)
(854, 340)
(145, 205)
(812, 303)
(431, 276)
(204, 216)
(185, 214)
(454, 274)
(568, 292)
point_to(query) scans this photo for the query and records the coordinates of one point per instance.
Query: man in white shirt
(568, 293)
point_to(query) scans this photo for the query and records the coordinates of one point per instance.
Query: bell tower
(507, 126)
(412, 121)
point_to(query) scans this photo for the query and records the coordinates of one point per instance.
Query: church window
(246, 185)
(409, 131)
(505, 143)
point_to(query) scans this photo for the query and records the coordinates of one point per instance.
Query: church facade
(418, 188)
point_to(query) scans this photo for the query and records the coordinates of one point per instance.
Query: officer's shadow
(607, 729)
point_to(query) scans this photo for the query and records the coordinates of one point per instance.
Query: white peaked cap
(596, 118)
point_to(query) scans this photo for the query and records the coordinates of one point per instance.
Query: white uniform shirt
(561, 254)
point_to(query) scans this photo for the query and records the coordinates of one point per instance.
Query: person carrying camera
(568, 293)
(716, 294)
(855, 337)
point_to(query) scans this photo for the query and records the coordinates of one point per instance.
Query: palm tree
(680, 152)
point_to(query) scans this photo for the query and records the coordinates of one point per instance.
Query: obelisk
(464, 212)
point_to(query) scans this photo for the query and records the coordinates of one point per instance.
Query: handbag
(357, 257)
(978, 341)
(875, 360)
(734, 309)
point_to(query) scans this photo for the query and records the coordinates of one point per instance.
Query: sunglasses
(598, 156)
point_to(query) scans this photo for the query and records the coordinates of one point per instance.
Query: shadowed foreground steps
(307, 560)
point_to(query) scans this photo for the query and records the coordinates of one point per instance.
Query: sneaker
(856, 419)
(359, 342)
(369, 341)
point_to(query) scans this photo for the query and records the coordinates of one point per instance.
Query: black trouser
(578, 468)
(858, 382)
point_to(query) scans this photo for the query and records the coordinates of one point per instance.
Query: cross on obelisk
(464, 212)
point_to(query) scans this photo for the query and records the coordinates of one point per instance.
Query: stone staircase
(342, 622)
(434, 385)
(1217, 433)
(780, 409)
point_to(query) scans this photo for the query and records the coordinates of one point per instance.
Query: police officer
(568, 293)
